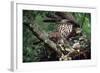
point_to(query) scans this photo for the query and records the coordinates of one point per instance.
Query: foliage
(33, 49)
(84, 19)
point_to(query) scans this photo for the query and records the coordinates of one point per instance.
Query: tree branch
(42, 36)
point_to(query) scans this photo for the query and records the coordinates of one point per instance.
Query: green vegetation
(33, 49)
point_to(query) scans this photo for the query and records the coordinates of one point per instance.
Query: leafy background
(37, 52)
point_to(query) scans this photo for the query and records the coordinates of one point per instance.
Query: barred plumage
(65, 30)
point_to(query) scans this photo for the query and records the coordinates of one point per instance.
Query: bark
(40, 34)
(43, 36)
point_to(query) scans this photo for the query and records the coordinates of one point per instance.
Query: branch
(42, 36)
